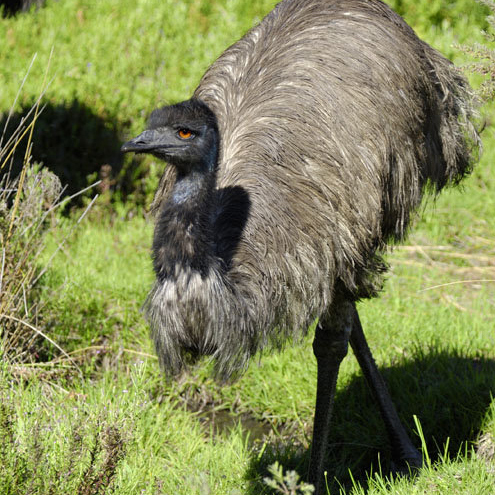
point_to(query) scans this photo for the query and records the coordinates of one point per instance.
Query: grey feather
(334, 119)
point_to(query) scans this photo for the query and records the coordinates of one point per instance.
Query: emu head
(184, 135)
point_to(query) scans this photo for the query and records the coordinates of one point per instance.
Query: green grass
(116, 426)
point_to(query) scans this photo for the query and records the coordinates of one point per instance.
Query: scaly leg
(403, 451)
(330, 347)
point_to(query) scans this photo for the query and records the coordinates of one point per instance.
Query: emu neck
(183, 238)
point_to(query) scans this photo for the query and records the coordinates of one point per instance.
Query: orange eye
(185, 133)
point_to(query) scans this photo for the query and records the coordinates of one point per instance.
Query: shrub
(28, 205)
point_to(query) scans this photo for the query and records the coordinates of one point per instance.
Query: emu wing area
(324, 112)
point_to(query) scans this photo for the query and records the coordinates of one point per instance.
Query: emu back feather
(333, 118)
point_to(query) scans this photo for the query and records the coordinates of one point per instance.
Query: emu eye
(185, 134)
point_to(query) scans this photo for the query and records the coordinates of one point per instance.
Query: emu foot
(406, 464)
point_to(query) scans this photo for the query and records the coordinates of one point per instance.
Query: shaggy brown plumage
(304, 150)
(333, 118)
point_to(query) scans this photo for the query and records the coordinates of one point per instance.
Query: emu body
(305, 149)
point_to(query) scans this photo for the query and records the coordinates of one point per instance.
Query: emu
(304, 150)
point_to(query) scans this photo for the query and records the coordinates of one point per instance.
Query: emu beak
(146, 142)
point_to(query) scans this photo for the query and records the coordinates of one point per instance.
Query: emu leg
(330, 347)
(403, 451)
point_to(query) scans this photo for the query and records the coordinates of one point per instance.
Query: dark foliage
(12, 7)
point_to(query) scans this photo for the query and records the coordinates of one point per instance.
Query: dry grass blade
(458, 282)
(13, 105)
(475, 261)
(39, 332)
(27, 152)
(447, 252)
(458, 270)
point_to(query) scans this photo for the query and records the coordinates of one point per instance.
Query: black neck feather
(183, 236)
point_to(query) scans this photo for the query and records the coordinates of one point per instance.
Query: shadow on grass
(72, 141)
(449, 393)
